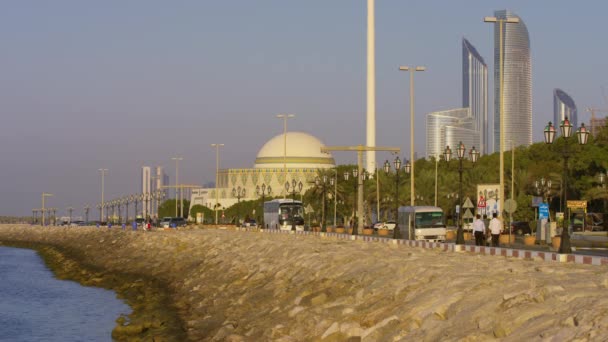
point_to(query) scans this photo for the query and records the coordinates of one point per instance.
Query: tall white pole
(501, 191)
(217, 170)
(285, 117)
(177, 160)
(412, 158)
(371, 85)
(103, 173)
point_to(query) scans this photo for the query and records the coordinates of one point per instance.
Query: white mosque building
(296, 155)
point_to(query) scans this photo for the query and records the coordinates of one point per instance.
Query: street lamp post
(356, 179)
(285, 117)
(34, 216)
(296, 188)
(217, 170)
(387, 169)
(70, 210)
(460, 153)
(44, 194)
(334, 182)
(501, 22)
(238, 193)
(99, 207)
(103, 174)
(263, 191)
(583, 136)
(177, 160)
(86, 213)
(322, 184)
(412, 70)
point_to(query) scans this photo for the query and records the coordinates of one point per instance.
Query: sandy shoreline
(251, 286)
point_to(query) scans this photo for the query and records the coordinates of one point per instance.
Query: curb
(451, 247)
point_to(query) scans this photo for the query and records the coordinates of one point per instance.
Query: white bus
(283, 214)
(422, 223)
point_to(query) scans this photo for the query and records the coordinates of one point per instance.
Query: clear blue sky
(121, 84)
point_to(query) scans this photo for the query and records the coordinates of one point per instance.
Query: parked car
(390, 225)
(173, 222)
(250, 223)
(165, 222)
(520, 227)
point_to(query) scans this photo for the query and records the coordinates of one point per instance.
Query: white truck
(422, 223)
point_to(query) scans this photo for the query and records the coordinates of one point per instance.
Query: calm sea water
(34, 306)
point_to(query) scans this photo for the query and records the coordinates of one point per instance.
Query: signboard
(510, 206)
(543, 211)
(577, 204)
(468, 204)
(467, 214)
(487, 199)
(536, 201)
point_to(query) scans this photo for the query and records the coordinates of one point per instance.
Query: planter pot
(340, 230)
(450, 235)
(368, 231)
(555, 242)
(349, 231)
(467, 236)
(329, 229)
(316, 229)
(384, 232)
(529, 240)
(503, 239)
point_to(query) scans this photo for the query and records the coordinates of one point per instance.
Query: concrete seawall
(237, 285)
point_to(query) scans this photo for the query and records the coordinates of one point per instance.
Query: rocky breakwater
(229, 285)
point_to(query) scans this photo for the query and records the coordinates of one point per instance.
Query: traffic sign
(309, 209)
(468, 214)
(510, 206)
(543, 211)
(468, 203)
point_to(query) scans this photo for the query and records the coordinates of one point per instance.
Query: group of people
(494, 229)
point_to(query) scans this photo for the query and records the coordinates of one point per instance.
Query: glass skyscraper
(449, 127)
(563, 106)
(517, 82)
(475, 92)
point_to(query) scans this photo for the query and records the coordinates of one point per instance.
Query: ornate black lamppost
(387, 169)
(295, 189)
(238, 193)
(583, 136)
(263, 191)
(460, 152)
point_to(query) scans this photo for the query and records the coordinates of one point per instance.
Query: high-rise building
(448, 128)
(517, 82)
(146, 182)
(475, 92)
(563, 107)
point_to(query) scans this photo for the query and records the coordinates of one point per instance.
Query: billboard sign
(487, 199)
(543, 211)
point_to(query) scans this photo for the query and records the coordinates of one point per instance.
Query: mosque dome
(303, 151)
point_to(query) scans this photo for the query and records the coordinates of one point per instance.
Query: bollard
(134, 224)
(124, 226)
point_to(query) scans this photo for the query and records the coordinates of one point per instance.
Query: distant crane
(595, 122)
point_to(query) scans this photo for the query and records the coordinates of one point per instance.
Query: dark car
(520, 227)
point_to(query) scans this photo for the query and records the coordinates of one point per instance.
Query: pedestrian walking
(495, 229)
(479, 229)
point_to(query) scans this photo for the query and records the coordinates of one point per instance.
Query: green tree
(167, 208)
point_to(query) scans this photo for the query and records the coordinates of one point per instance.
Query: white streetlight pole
(177, 160)
(412, 70)
(44, 194)
(501, 191)
(103, 173)
(285, 117)
(217, 170)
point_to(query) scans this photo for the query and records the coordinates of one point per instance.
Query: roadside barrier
(451, 247)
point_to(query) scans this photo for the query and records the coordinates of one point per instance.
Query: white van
(422, 223)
